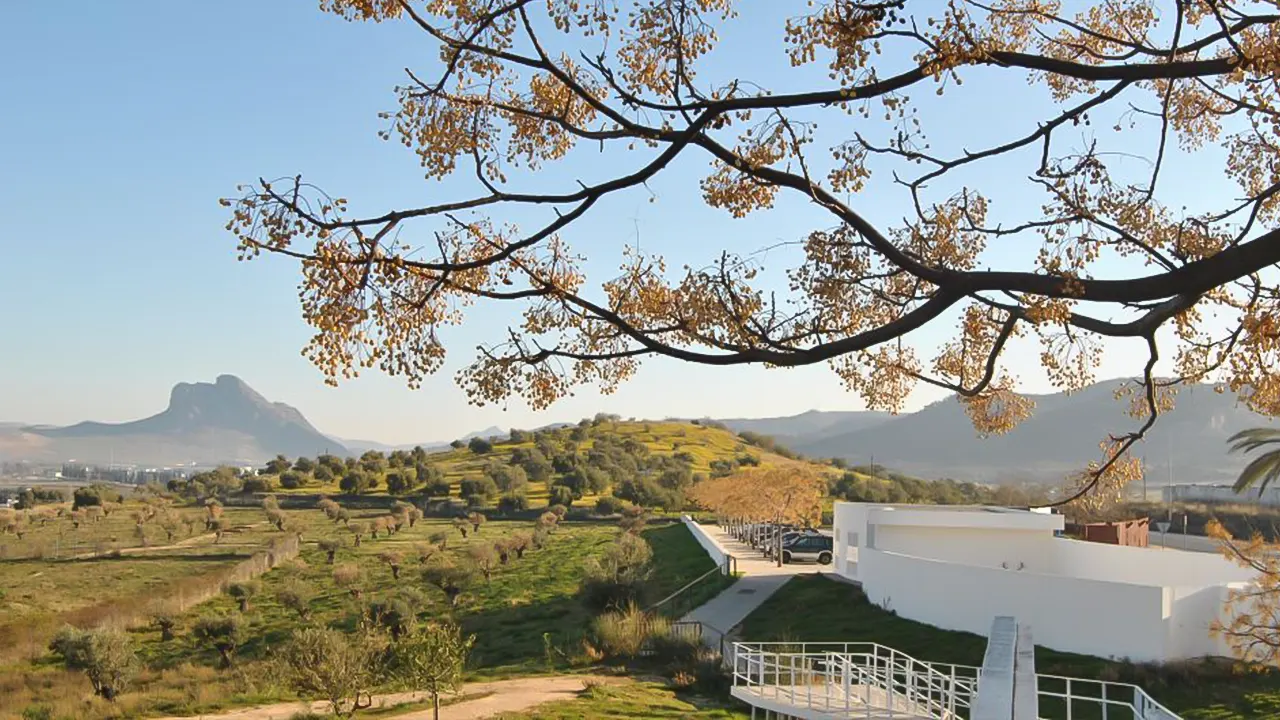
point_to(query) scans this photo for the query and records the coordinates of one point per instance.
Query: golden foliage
(786, 493)
(1252, 627)
(1107, 254)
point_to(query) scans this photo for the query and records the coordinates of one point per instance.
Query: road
(1178, 541)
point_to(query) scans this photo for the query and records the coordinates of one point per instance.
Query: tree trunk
(435, 706)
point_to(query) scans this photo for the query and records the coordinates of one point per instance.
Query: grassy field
(632, 701)
(527, 618)
(817, 609)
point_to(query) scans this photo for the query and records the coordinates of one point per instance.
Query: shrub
(296, 596)
(243, 592)
(452, 578)
(506, 477)
(560, 495)
(398, 483)
(223, 633)
(165, 623)
(479, 445)
(559, 511)
(437, 488)
(625, 633)
(350, 578)
(330, 548)
(616, 579)
(483, 487)
(256, 484)
(609, 505)
(513, 502)
(355, 482)
(328, 665)
(292, 480)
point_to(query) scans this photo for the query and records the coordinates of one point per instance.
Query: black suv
(803, 547)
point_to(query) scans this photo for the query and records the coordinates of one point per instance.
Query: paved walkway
(760, 579)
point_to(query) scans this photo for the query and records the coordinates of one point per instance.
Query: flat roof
(960, 516)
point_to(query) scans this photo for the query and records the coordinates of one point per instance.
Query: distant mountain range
(228, 422)
(225, 421)
(1187, 445)
(360, 446)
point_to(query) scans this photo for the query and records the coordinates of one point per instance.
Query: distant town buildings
(1220, 494)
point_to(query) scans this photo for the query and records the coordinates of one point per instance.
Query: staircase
(871, 681)
(849, 680)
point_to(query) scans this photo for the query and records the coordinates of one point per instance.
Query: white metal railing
(872, 680)
(859, 679)
(1075, 698)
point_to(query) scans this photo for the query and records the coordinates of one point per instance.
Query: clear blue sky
(122, 123)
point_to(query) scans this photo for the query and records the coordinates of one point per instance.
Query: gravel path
(505, 696)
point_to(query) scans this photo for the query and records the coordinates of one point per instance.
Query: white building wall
(1068, 614)
(1144, 566)
(987, 547)
(1219, 493)
(944, 568)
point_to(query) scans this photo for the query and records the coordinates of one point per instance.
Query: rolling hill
(225, 421)
(1187, 445)
(808, 427)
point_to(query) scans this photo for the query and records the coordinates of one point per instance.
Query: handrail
(719, 569)
(827, 673)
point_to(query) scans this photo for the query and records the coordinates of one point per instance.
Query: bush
(483, 486)
(400, 482)
(106, 656)
(438, 488)
(609, 505)
(506, 477)
(256, 484)
(560, 495)
(617, 578)
(626, 633)
(292, 480)
(355, 482)
(479, 445)
(513, 502)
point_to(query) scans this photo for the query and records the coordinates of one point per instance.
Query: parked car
(788, 538)
(809, 547)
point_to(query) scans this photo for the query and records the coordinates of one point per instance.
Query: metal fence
(868, 680)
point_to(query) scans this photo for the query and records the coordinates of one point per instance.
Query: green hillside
(651, 463)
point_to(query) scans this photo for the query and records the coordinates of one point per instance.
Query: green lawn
(678, 559)
(812, 608)
(633, 701)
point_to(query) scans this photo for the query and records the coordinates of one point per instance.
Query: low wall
(1146, 566)
(708, 543)
(1098, 618)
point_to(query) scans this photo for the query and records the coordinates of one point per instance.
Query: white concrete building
(956, 567)
(1220, 494)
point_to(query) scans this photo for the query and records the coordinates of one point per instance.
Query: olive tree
(325, 664)
(106, 656)
(223, 633)
(432, 658)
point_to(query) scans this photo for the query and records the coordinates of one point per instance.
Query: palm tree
(1264, 468)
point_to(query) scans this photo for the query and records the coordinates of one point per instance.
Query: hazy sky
(124, 122)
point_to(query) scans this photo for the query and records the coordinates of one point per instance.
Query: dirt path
(505, 696)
